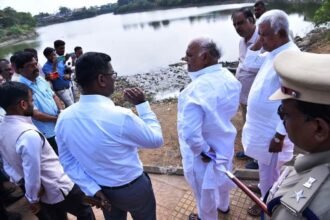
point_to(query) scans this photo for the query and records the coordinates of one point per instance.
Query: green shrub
(322, 15)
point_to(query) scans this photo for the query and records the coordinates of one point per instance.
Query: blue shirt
(44, 101)
(98, 141)
(60, 83)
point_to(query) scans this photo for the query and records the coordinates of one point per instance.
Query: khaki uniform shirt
(292, 181)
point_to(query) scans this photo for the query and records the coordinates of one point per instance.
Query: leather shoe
(252, 165)
(224, 212)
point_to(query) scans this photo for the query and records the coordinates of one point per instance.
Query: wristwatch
(277, 140)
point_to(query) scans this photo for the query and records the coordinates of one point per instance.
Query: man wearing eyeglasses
(206, 133)
(244, 24)
(99, 141)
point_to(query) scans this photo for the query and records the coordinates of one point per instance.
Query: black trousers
(73, 204)
(138, 199)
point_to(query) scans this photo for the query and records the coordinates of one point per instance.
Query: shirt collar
(309, 161)
(17, 118)
(26, 81)
(253, 38)
(95, 98)
(196, 74)
(281, 48)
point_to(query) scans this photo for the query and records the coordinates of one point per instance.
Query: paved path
(175, 201)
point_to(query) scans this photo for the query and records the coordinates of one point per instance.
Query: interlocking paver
(175, 201)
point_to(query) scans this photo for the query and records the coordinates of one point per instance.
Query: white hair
(209, 45)
(277, 19)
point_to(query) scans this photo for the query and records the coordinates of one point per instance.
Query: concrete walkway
(175, 201)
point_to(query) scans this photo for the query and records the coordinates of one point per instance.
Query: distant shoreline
(14, 41)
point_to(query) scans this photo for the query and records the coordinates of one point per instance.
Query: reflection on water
(141, 42)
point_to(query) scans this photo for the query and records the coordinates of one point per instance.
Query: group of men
(98, 141)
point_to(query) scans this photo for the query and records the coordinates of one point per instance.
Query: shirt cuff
(92, 190)
(143, 108)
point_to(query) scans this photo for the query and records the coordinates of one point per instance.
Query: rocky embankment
(166, 82)
(10, 40)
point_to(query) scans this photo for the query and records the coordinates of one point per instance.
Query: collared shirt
(98, 141)
(43, 99)
(291, 176)
(245, 74)
(2, 114)
(60, 83)
(34, 160)
(205, 109)
(262, 121)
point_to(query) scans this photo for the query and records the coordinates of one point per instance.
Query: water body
(143, 42)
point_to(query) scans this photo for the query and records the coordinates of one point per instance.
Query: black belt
(123, 186)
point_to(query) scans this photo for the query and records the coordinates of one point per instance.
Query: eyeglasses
(280, 112)
(113, 74)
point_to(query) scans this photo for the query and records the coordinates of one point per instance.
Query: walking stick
(240, 184)
(247, 191)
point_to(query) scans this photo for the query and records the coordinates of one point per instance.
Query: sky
(49, 6)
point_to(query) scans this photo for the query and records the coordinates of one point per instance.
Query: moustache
(36, 71)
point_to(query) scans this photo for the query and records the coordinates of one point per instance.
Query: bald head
(201, 53)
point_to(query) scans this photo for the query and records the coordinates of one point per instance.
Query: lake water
(142, 42)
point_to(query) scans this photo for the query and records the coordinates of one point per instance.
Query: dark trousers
(73, 204)
(138, 199)
(53, 143)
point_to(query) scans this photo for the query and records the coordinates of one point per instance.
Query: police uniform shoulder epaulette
(298, 199)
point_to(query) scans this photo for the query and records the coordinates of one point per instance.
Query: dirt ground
(169, 154)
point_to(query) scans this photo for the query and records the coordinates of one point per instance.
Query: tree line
(15, 24)
(125, 6)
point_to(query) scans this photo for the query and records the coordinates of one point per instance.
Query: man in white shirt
(98, 141)
(205, 109)
(244, 23)
(264, 137)
(33, 161)
(2, 112)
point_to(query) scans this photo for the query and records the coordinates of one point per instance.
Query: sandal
(193, 216)
(254, 211)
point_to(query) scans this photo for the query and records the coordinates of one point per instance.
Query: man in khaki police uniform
(303, 191)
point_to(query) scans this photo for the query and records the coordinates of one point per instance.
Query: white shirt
(262, 121)
(205, 109)
(98, 141)
(245, 74)
(32, 159)
(2, 114)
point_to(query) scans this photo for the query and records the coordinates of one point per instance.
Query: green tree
(322, 15)
(64, 10)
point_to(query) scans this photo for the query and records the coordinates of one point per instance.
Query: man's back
(104, 139)
(216, 91)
